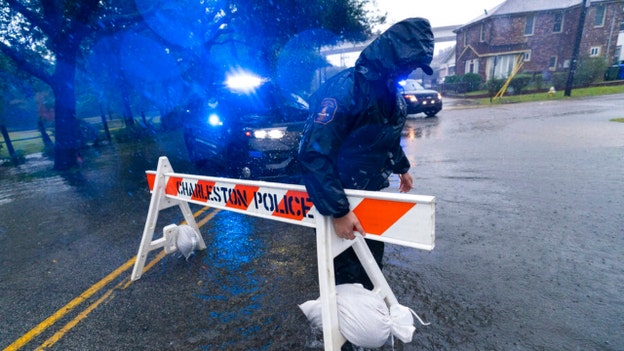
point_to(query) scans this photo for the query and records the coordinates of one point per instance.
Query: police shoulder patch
(325, 111)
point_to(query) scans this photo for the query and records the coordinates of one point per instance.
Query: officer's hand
(346, 225)
(405, 183)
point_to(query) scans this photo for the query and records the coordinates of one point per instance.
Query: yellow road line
(104, 298)
(48, 322)
(70, 306)
(67, 327)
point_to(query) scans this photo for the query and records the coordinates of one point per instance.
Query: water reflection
(233, 243)
(229, 276)
(32, 178)
(421, 128)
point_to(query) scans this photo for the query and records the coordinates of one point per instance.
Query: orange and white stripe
(402, 219)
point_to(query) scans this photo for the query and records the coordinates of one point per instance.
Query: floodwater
(528, 256)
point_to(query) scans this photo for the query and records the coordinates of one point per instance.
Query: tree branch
(22, 63)
(30, 15)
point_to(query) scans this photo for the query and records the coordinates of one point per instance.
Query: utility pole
(575, 50)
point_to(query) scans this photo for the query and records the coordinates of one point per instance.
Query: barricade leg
(325, 237)
(160, 202)
(329, 245)
(373, 271)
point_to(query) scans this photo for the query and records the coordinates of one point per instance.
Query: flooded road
(528, 256)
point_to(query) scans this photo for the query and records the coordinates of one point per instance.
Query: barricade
(402, 219)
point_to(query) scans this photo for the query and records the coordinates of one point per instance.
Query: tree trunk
(105, 122)
(8, 143)
(47, 142)
(67, 143)
(127, 109)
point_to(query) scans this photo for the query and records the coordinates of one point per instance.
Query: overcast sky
(439, 12)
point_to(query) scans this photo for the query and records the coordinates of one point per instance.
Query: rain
(528, 196)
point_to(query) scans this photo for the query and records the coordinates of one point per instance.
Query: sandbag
(187, 240)
(364, 318)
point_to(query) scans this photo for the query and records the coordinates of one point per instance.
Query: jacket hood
(402, 48)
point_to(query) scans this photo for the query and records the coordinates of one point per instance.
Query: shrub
(453, 83)
(472, 80)
(452, 79)
(519, 82)
(494, 85)
(589, 70)
(538, 81)
(559, 80)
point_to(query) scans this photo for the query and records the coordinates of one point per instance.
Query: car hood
(420, 92)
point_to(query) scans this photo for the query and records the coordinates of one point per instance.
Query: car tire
(431, 113)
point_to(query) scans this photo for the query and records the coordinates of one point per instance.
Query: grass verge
(544, 96)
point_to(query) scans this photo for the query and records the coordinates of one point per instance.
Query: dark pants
(349, 269)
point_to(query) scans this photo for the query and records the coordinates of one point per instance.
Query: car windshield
(264, 101)
(410, 85)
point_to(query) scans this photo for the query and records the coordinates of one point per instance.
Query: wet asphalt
(528, 256)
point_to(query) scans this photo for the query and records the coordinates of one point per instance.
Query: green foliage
(543, 96)
(559, 80)
(52, 40)
(452, 79)
(472, 81)
(268, 26)
(589, 70)
(520, 82)
(494, 85)
(538, 81)
(466, 83)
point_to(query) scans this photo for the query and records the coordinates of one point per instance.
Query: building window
(527, 56)
(600, 16)
(465, 38)
(558, 26)
(594, 51)
(472, 66)
(529, 25)
(482, 37)
(500, 67)
(552, 64)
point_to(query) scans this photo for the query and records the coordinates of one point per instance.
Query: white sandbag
(187, 240)
(312, 311)
(363, 316)
(402, 322)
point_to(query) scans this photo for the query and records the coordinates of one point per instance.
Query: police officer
(352, 136)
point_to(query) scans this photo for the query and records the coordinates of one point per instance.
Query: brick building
(539, 33)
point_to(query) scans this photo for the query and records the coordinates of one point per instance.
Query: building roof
(511, 7)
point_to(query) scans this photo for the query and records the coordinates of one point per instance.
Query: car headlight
(214, 120)
(410, 97)
(267, 133)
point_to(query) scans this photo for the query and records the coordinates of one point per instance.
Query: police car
(246, 128)
(419, 99)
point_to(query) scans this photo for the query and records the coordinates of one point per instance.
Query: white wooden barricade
(403, 219)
